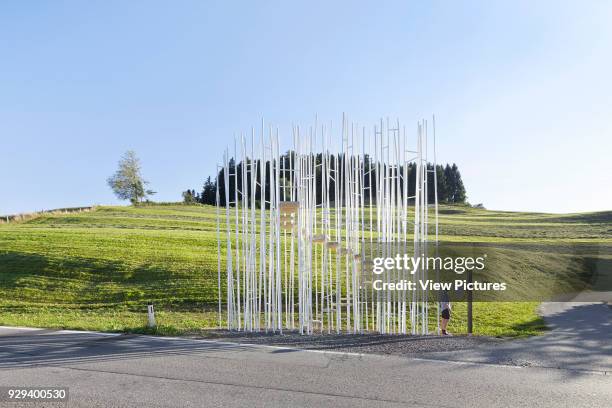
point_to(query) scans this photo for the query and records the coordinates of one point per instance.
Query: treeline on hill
(450, 185)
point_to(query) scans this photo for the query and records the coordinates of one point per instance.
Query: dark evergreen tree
(442, 186)
(449, 182)
(209, 191)
(449, 179)
(459, 195)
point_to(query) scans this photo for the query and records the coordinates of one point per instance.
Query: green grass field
(97, 270)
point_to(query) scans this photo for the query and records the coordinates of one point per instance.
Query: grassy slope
(97, 270)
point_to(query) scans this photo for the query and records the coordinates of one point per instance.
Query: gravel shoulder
(578, 339)
(364, 343)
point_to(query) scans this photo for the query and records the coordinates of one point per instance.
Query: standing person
(445, 307)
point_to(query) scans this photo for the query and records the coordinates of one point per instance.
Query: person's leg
(443, 325)
(444, 321)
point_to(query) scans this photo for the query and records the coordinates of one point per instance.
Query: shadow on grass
(40, 279)
(534, 326)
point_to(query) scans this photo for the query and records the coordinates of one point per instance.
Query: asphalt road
(103, 370)
(580, 338)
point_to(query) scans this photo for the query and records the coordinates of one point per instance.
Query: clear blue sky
(522, 90)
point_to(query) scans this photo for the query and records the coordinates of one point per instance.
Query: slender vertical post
(217, 204)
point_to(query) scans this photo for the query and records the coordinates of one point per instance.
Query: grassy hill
(97, 270)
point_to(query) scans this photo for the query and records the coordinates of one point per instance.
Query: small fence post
(150, 316)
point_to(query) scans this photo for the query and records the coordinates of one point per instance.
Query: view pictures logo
(411, 264)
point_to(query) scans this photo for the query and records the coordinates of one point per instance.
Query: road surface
(107, 370)
(580, 338)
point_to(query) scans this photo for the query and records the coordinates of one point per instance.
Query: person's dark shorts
(445, 314)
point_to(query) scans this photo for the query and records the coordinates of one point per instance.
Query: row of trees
(450, 184)
(207, 196)
(128, 184)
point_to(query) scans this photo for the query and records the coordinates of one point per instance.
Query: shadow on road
(580, 339)
(48, 347)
